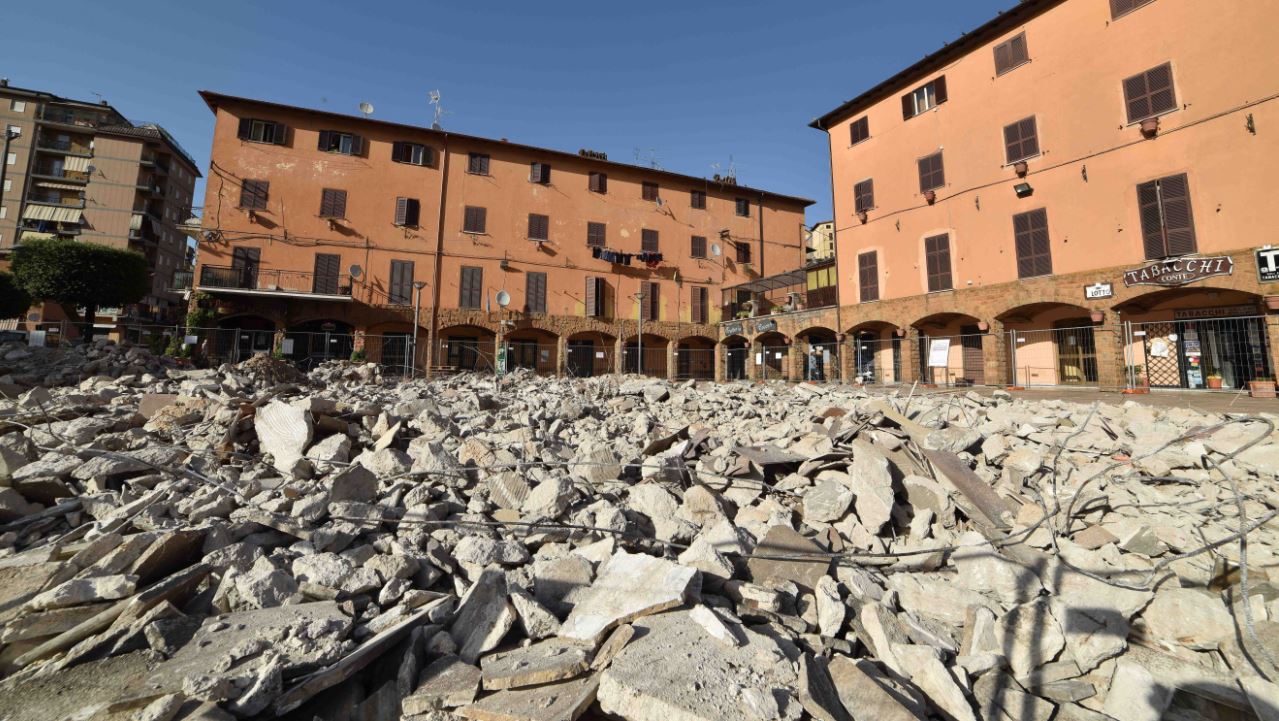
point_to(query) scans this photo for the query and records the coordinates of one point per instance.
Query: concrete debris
(250, 541)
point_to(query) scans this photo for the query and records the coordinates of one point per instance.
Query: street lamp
(639, 334)
(10, 134)
(417, 315)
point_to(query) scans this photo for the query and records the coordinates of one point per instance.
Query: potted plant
(1262, 387)
(1214, 381)
(1141, 383)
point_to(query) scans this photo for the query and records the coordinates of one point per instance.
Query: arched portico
(1050, 343)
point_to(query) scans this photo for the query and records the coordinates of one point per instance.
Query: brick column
(911, 370)
(619, 349)
(994, 352)
(719, 362)
(561, 355)
(1272, 337)
(844, 355)
(795, 352)
(1108, 338)
(670, 361)
(752, 370)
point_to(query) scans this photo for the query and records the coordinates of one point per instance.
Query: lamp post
(639, 333)
(417, 315)
(10, 134)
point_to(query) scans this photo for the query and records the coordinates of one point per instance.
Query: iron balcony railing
(182, 280)
(273, 280)
(66, 117)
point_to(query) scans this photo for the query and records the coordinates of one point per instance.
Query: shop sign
(1225, 311)
(1179, 271)
(1268, 264)
(764, 326)
(1097, 291)
(733, 328)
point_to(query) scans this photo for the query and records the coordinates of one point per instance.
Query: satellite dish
(355, 271)
(716, 250)
(503, 298)
(366, 108)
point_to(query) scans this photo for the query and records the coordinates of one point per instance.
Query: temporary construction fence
(695, 363)
(646, 360)
(820, 363)
(1065, 356)
(1208, 353)
(952, 360)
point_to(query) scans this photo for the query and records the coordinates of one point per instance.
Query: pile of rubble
(22, 366)
(248, 543)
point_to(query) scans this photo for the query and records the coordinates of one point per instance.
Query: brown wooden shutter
(1018, 50)
(743, 251)
(939, 85)
(327, 270)
(932, 173)
(400, 291)
(1150, 93)
(698, 249)
(649, 241)
(357, 145)
(651, 304)
(332, 203)
(908, 106)
(595, 233)
(399, 152)
(254, 194)
(698, 304)
(1030, 234)
(1179, 226)
(648, 191)
(859, 130)
(868, 276)
(864, 195)
(246, 128)
(1003, 58)
(697, 199)
(471, 287)
(1152, 231)
(326, 140)
(475, 220)
(535, 293)
(937, 255)
(280, 135)
(592, 297)
(1021, 140)
(538, 226)
(401, 211)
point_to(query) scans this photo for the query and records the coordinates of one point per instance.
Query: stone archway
(316, 341)
(877, 352)
(590, 353)
(951, 349)
(772, 356)
(695, 358)
(818, 359)
(646, 355)
(465, 347)
(535, 349)
(735, 352)
(239, 337)
(1051, 344)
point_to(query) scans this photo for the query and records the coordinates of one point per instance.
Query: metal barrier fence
(647, 361)
(540, 358)
(695, 363)
(1055, 356)
(1212, 353)
(585, 359)
(772, 363)
(820, 363)
(736, 361)
(954, 360)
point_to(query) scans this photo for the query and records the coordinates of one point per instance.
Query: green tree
(14, 301)
(84, 275)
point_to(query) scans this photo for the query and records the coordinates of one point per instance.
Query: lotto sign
(1097, 291)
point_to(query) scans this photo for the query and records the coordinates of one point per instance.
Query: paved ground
(1207, 401)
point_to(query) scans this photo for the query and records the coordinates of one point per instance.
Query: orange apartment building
(1074, 193)
(326, 234)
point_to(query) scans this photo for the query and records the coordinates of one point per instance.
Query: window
(743, 251)
(471, 287)
(648, 241)
(868, 276)
(1030, 233)
(1167, 224)
(697, 199)
(412, 153)
(253, 194)
(648, 190)
(539, 173)
(924, 98)
(698, 305)
(11, 159)
(937, 257)
(931, 173)
(8, 183)
(4, 212)
(1150, 93)
(407, 212)
(475, 220)
(598, 182)
(539, 227)
(859, 130)
(1010, 54)
(650, 301)
(1123, 7)
(744, 207)
(535, 293)
(1021, 140)
(864, 195)
(332, 141)
(332, 203)
(698, 249)
(400, 291)
(262, 131)
(18, 106)
(594, 297)
(595, 235)
(477, 163)
(15, 130)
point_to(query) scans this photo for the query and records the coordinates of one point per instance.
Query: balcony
(249, 280)
(60, 116)
(807, 288)
(182, 280)
(59, 174)
(65, 201)
(54, 145)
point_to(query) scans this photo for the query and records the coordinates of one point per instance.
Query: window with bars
(595, 291)
(1167, 222)
(598, 182)
(474, 220)
(539, 173)
(535, 293)
(859, 130)
(262, 131)
(648, 191)
(648, 240)
(1030, 234)
(1010, 54)
(868, 276)
(477, 163)
(254, 193)
(400, 290)
(864, 195)
(595, 233)
(924, 98)
(937, 260)
(335, 141)
(697, 199)
(412, 153)
(743, 251)
(650, 301)
(408, 212)
(932, 173)
(539, 227)
(1021, 140)
(332, 203)
(1119, 8)
(699, 301)
(1150, 93)
(697, 247)
(470, 287)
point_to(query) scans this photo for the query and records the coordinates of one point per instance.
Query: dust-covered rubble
(252, 542)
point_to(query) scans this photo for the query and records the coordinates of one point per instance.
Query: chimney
(4, 82)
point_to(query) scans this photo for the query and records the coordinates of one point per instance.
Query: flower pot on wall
(1213, 382)
(1272, 302)
(930, 196)
(1150, 127)
(1097, 316)
(1261, 388)
(983, 326)
(1021, 167)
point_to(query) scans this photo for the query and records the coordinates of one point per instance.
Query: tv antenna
(98, 95)
(433, 98)
(366, 109)
(649, 158)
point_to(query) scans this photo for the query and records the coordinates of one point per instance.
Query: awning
(76, 163)
(135, 223)
(37, 235)
(52, 212)
(59, 186)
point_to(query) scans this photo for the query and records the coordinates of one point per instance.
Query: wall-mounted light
(1023, 190)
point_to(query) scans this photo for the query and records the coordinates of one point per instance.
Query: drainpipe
(834, 242)
(761, 236)
(433, 336)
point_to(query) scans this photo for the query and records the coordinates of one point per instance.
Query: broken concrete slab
(564, 701)
(783, 555)
(544, 662)
(628, 586)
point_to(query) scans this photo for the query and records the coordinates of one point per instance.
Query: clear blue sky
(692, 83)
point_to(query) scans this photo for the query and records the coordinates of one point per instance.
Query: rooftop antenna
(433, 98)
(366, 109)
(97, 95)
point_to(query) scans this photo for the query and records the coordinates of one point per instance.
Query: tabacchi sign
(1179, 271)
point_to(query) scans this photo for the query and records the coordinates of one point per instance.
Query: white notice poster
(939, 353)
